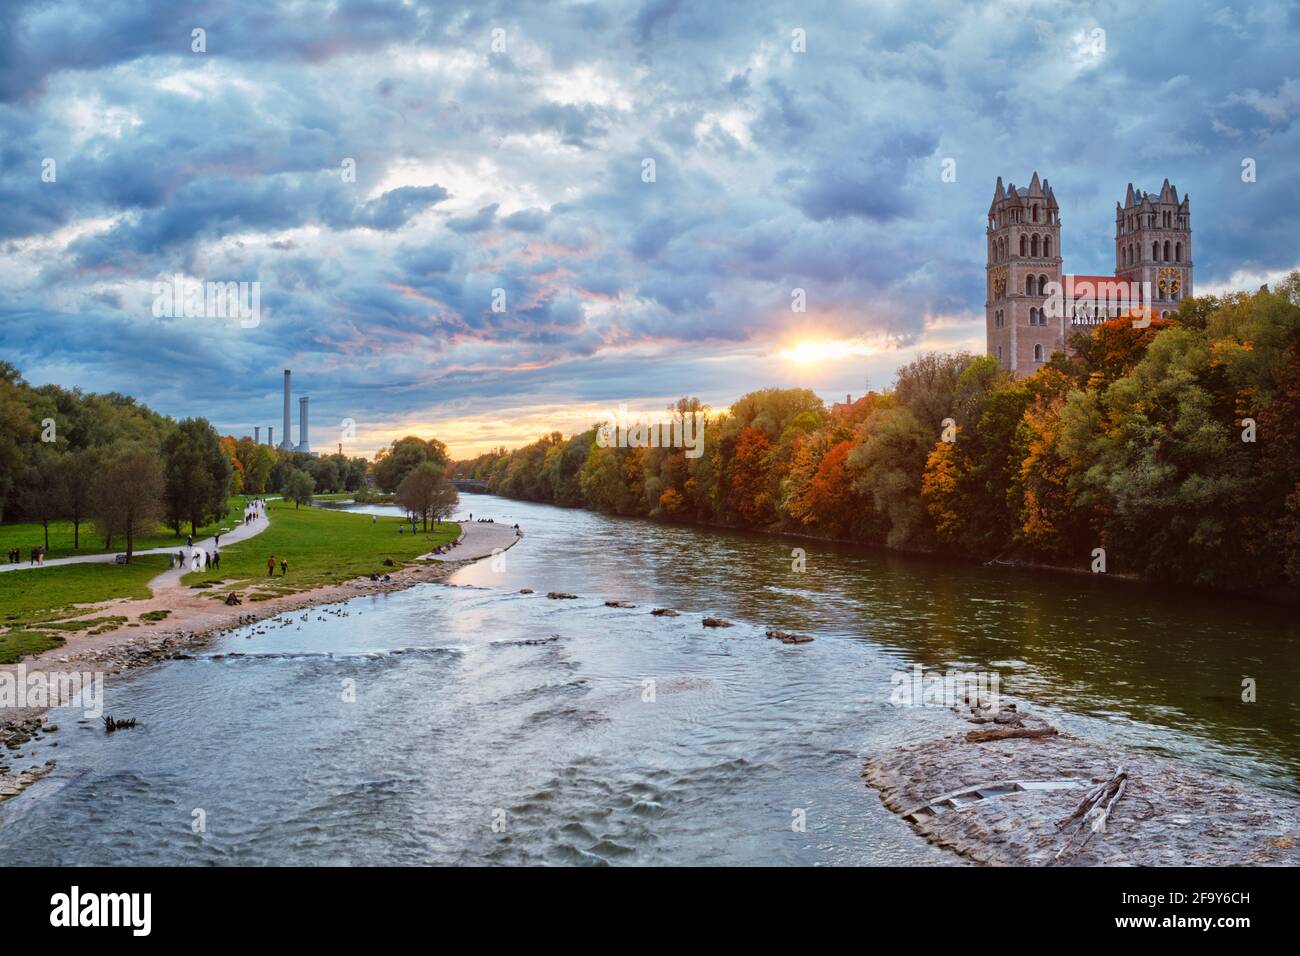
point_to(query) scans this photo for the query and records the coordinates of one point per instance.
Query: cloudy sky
(503, 146)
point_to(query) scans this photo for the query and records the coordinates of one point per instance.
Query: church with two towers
(1032, 308)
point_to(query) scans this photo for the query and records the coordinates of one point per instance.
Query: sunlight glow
(826, 350)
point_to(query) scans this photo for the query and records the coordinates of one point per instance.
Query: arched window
(1033, 316)
(1155, 251)
(1024, 245)
(1132, 255)
(1178, 252)
(1047, 247)
(1029, 285)
(1035, 214)
(1038, 353)
(1167, 250)
(1042, 285)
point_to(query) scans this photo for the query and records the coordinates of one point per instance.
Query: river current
(465, 722)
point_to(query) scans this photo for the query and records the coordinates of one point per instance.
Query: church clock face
(999, 282)
(1170, 280)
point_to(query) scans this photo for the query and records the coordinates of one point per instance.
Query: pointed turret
(1128, 198)
(998, 196)
(1035, 188)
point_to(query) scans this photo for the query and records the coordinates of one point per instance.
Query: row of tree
(1172, 446)
(116, 465)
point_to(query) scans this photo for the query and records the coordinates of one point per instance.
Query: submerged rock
(785, 637)
(561, 596)
(525, 590)
(618, 604)
(664, 612)
(717, 622)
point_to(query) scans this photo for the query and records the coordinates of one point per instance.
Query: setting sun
(825, 350)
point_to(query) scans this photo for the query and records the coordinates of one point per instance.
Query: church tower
(1153, 244)
(1024, 256)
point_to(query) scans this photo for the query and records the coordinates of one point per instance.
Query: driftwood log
(1093, 811)
(1005, 733)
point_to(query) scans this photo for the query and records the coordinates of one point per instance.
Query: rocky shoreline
(1008, 801)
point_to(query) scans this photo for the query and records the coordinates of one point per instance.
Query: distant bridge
(475, 485)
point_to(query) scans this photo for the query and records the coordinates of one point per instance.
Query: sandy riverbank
(193, 618)
(194, 615)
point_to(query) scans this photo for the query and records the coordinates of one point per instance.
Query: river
(415, 728)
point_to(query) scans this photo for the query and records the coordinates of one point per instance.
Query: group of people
(270, 566)
(253, 510)
(37, 555)
(198, 560)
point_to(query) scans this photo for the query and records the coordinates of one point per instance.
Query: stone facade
(1031, 308)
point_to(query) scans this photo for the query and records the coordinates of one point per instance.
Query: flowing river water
(416, 728)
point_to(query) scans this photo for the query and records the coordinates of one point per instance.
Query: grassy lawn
(322, 547)
(33, 603)
(26, 535)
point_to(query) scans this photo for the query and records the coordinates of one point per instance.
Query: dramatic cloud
(451, 212)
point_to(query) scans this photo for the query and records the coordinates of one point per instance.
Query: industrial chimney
(257, 434)
(286, 443)
(270, 435)
(303, 446)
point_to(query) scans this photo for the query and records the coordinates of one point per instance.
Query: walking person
(284, 567)
(270, 566)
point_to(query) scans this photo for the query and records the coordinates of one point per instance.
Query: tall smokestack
(257, 434)
(270, 435)
(286, 443)
(303, 445)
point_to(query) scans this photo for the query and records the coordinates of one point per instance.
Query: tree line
(1171, 447)
(109, 464)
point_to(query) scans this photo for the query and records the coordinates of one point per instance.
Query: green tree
(395, 462)
(127, 497)
(197, 473)
(298, 488)
(426, 493)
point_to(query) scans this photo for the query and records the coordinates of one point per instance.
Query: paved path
(239, 533)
